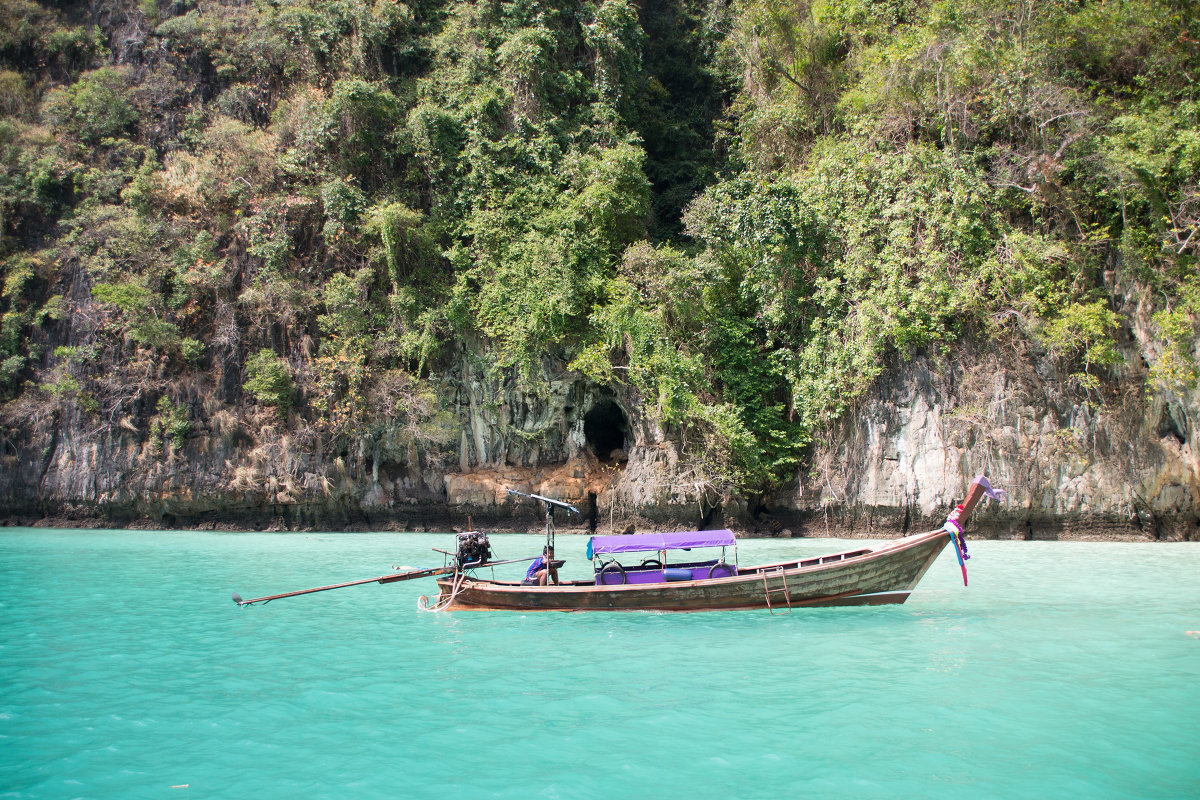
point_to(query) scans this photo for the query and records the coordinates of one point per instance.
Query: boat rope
(444, 601)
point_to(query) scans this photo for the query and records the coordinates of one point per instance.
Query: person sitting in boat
(542, 569)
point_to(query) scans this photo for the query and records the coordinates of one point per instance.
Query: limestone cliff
(1118, 461)
(1121, 460)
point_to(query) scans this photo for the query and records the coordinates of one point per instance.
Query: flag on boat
(999, 495)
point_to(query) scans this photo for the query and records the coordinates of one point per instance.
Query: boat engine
(473, 549)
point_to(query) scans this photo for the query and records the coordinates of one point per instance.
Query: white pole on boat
(550, 506)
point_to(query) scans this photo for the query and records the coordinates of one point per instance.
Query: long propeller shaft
(393, 578)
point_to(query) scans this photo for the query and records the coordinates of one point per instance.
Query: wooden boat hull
(866, 576)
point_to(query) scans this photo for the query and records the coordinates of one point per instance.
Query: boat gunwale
(869, 599)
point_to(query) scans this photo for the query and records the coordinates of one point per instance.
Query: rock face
(906, 455)
(255, 471)
(574, 441)
(1115, 461)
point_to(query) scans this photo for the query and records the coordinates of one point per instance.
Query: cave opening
(605, 428)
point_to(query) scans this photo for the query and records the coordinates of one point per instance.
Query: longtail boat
(885, 574)
(872, 575)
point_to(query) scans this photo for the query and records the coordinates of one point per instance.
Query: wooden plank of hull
(883, 575)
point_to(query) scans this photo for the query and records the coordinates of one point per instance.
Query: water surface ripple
(1066, 669)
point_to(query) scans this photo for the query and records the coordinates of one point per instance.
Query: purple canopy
(643, 542)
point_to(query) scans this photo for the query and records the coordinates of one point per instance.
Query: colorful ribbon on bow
(954, 527)
(955, 530)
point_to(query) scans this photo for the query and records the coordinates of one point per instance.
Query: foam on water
(1064, 670)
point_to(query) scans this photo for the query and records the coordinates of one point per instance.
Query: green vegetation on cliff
(742, 210)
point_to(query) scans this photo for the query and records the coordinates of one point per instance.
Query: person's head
(548, 550)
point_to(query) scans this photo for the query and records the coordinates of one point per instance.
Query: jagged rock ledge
(1120, 463)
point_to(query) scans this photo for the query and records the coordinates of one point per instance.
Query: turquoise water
(1066, 669)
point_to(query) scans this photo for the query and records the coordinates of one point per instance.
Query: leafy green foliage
(269, 380)
(21, 310)
(138, 305)
(1084, 331)
(679, 95)
(192, 349)
(1176, 367)
(172, 423)
(65, 386)
(10, 368)
(95, 107)
(361, 116)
